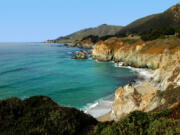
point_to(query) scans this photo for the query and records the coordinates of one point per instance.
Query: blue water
(28, 69)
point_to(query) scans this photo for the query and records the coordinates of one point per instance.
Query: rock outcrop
(86, 43)
(129, 99)
(102, 52)
(161, 56)
(80, 55)
(163, 59)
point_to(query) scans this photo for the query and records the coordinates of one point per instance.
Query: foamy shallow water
(100, 107)
(104, 105)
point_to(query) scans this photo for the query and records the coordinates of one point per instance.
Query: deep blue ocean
(28, 69)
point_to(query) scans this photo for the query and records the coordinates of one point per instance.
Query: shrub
(157, 33)
(129, 41)
(162, 126)
(140, 123)
(105, 37)
(40, 116)
(177, 29)
(93, 38)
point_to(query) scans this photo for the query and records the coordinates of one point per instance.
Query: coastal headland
(149, 108)
(142, 109)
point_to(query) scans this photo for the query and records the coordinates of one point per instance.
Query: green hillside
(168, 18)
(100, 31)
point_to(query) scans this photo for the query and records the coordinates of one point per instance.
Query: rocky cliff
(162, 56)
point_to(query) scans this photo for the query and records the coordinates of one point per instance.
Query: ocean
(29, 69)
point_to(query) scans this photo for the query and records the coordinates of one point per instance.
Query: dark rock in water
(80, 55)
(66, 44)
(39, 115)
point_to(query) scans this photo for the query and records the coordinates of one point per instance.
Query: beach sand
(105, 117)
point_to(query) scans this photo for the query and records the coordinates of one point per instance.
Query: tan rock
(102, 53)
(129, 98)
(162, 56)
(80, 55)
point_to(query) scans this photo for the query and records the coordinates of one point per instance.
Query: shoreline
(144, 73)
(146, 84)
(101, 108)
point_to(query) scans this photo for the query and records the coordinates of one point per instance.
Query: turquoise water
(28, 69)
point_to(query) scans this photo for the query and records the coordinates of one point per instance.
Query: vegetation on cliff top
(41, 116)
(141, 123)
(168, 44)
(151, 27)
(160, 33)
(161, 121)
(152, 34)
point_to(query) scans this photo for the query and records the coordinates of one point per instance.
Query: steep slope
(101, 30)
(170, 17)
(162, 56)
(39, 115)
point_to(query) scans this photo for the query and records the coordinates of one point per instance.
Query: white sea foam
(104, 105)
(118, 64)
(100, 107)
(143, 74)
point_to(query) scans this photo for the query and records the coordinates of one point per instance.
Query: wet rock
(80, 55)
(66, 44)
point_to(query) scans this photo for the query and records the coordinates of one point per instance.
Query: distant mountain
(170, 17)
(102, 30)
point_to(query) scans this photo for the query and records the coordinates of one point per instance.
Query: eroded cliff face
(162, 56)
(128, 99)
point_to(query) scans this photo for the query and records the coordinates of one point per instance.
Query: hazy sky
(38, 20)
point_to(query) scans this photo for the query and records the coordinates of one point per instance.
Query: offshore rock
(80, 55)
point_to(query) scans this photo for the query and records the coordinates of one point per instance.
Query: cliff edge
(161, 55)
